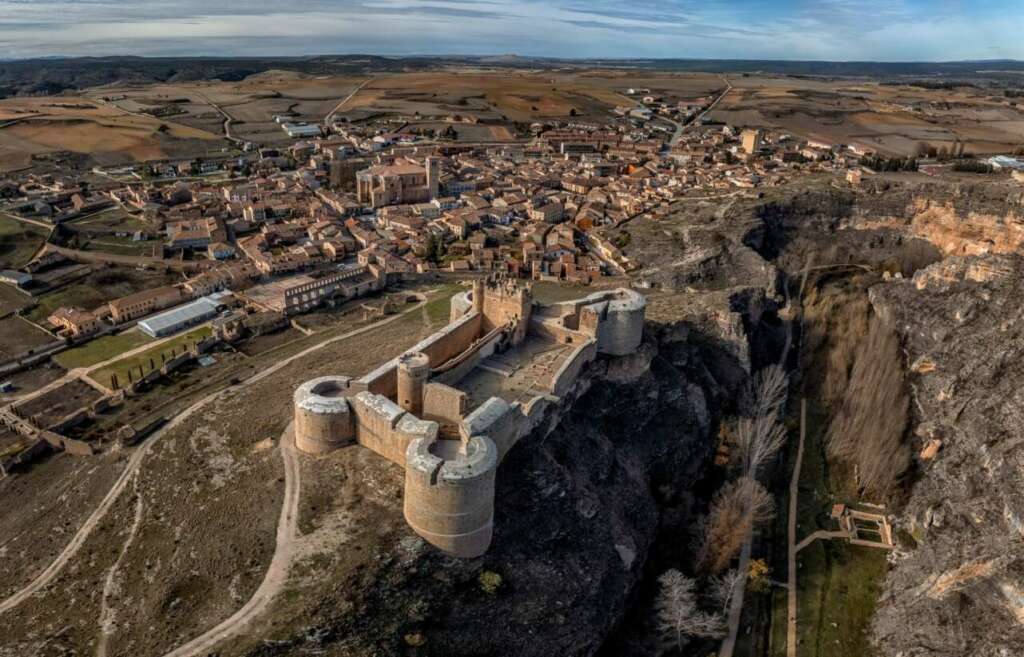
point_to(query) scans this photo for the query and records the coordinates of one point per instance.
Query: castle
(449, 409)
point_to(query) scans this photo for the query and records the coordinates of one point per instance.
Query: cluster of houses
(300, 216)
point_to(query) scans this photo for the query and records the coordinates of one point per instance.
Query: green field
(119, 246)
(101, 349)
(439, 309)
(132, 363)
(115, 218)
(18, 242)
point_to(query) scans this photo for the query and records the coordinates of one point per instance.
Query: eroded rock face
(958, 220)
(959, 591)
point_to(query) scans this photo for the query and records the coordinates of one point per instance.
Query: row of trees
(735, 512)
(867, 430)
(878, 163)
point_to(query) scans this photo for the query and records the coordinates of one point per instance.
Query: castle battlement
(450, 409)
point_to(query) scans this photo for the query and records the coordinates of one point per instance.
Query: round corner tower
(449, 493)
(323, 419)
(621, 330)
(413, 373)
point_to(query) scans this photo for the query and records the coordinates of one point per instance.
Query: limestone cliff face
(957, 588)
(961, 220)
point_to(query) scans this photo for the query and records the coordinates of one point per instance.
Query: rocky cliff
(957, 586)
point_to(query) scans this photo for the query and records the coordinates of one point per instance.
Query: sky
(837, 30)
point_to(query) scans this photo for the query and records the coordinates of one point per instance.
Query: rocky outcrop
(956, 219)
(957, 586)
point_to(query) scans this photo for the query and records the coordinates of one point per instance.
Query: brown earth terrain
(892, 119)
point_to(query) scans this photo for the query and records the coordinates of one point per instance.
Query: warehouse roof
(200, 309)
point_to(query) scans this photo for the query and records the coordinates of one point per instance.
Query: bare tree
(737, 508)
(722, 588)
(867, 431)
(768, 390)
(678, 615)
(758, 439)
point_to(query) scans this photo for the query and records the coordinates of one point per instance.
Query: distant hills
(53, 75)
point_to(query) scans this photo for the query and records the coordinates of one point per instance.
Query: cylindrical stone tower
(323, 421)
(449, 493)
(413, 372)
(622, 328)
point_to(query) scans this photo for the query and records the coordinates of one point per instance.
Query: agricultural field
(18, 241)
(252, 103)
(18, 336)
(11, 300)
(510, 96)
(111, 135)
(102, 285)
(891, 119)
(60, 402)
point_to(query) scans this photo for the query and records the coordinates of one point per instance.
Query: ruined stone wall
(383, 427)
(500, 421)
(442, 403)
(471, 358)
(570, 370)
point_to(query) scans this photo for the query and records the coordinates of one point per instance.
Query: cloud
(743, 29)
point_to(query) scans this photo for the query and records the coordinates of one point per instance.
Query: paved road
(337, 108)
(228, 119)
(681, 128)
(135, 461)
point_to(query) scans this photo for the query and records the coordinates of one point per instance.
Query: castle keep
(450, 408)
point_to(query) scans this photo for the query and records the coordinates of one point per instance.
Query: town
(363, 357)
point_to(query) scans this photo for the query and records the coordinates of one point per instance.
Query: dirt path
(277, 573)
(794, 492)
(72, 548)
(107, 620)
(228, 119)
(344, 101)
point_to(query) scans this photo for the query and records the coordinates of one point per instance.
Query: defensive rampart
(412, 411)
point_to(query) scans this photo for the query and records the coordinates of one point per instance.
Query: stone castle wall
(449, 486)
(439, 347)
